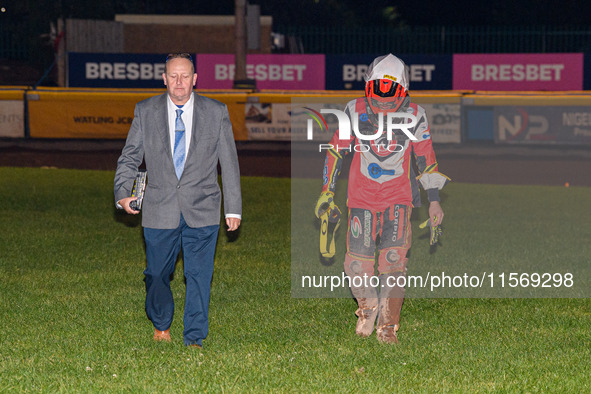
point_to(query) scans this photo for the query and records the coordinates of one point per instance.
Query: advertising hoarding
(514, 72)
(542, 124)
(286, 72)
(426, 72)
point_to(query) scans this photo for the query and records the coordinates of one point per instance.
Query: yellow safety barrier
(103, 113)
(556, 99)
(77, 113)
(12, 92)
(108, 113)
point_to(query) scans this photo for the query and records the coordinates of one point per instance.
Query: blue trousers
(162, 250)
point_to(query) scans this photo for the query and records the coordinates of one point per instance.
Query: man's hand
(434, 222)
(124, 202)
(232, 223)
(435, 213)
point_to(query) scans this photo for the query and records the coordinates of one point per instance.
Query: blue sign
(115, 70)
(427, 72)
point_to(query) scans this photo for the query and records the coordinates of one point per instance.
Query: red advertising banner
(511, 72)
(288, 72)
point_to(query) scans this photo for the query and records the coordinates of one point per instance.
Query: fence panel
(440, 39)
(87, 35)
(12, 46)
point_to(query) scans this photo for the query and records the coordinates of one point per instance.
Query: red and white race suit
(381, 174)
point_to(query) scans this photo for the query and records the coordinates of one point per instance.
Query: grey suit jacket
(197, 194)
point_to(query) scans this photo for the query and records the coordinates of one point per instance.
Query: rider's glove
(436, 231)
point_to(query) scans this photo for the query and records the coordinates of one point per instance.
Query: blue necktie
(178, 156)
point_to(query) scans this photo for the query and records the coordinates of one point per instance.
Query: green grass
(488, 230)
(72, 295)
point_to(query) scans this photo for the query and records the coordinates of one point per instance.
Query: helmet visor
(385, 95)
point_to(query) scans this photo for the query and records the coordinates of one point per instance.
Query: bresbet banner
(214, 71)
(426, 72)
(285, 72)
(116, 70)
(518, 72)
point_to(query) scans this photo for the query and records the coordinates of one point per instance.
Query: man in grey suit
(182, 137)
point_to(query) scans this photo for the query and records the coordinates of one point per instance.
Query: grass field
(72, 295)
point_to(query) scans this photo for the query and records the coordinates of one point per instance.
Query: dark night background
(322, 12)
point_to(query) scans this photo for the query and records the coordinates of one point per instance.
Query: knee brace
(392, 260)
(365, 294)
(358, 266)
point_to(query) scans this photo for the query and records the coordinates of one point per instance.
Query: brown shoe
(196, 346)
(162, 336)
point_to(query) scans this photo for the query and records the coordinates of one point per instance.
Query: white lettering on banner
(133, 71)
(421, 72)
(122, 71)
(145, 71)
(10, 118)
(517, 72)
(354, 72)
(506, 127)
(119, 70)
(418, 72)
(221, 72)
(262, 72)
(582, 132)
(576, 119)
(536, 125)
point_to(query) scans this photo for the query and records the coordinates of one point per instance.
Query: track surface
(472, 163)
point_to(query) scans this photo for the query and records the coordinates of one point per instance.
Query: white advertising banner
(542, 124)
(12, 116)
(445, 122)
(271, 121)
(268, 121)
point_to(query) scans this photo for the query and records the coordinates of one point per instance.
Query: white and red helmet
(386, 84)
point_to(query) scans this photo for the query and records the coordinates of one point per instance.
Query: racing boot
(367, 311)
(390, 305)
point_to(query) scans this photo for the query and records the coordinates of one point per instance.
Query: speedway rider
(382, 190)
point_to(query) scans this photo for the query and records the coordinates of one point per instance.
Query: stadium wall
(455, 116)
